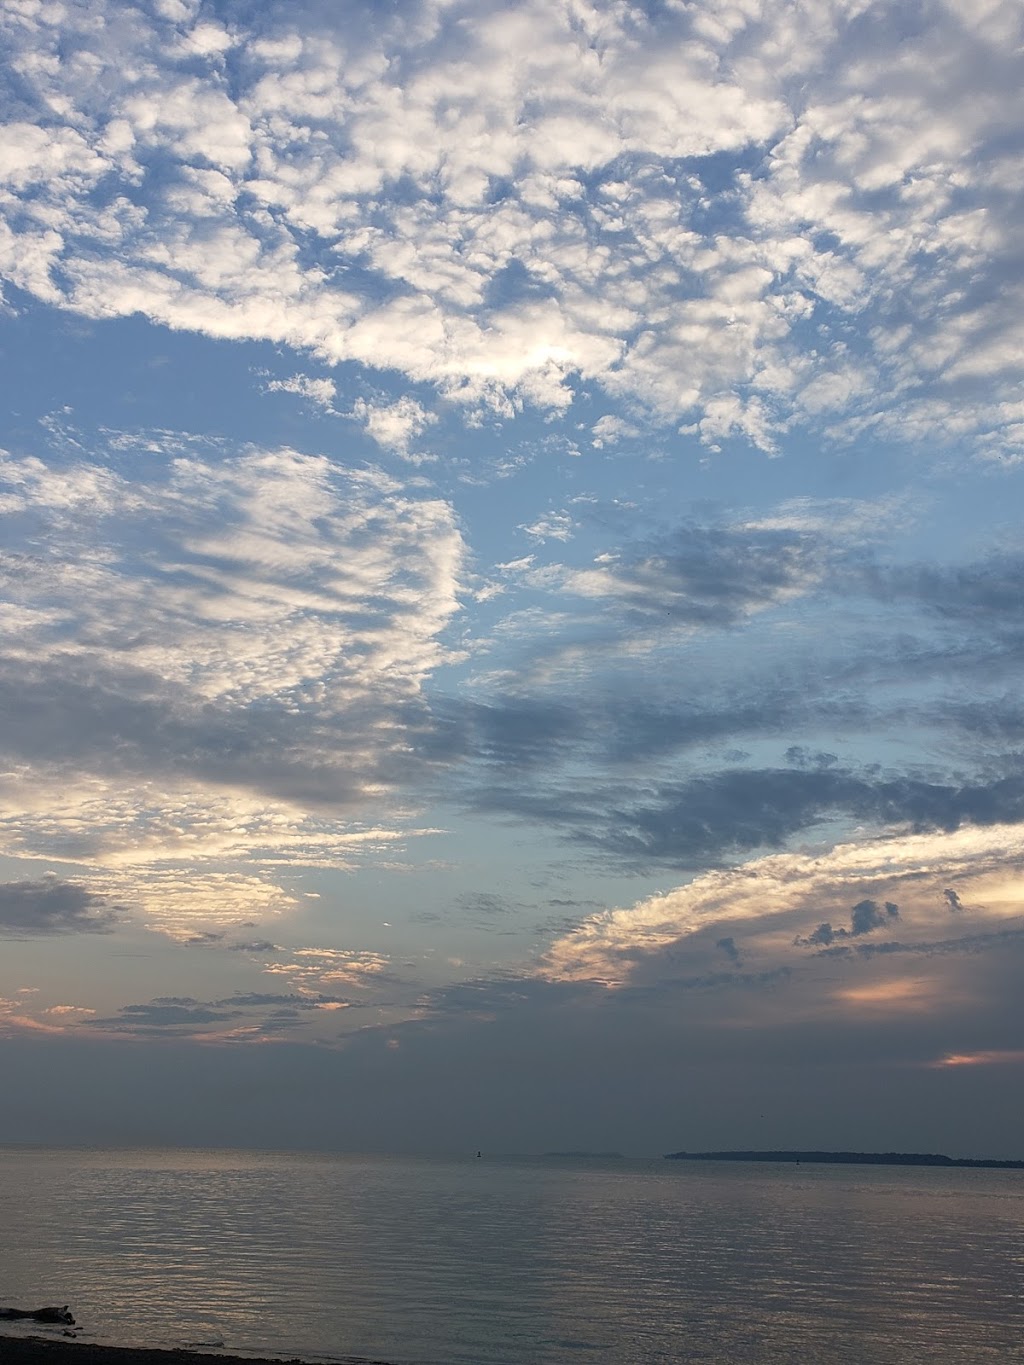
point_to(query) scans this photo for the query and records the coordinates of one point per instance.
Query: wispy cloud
(212, 660)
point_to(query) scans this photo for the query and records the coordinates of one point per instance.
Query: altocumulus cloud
(563, 219)
(251, 632)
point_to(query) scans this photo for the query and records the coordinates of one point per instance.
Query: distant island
(851, 1159)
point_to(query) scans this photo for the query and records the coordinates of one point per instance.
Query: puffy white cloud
(394, 426)
(322, 392)
(609, 429)
(694, 209)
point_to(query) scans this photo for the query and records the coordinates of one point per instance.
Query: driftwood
(39, 1314)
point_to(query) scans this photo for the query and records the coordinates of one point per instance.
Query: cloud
(180, 1016)
(255, 578)
(754, 634)
(900, 995)
(319, 970)
(735, 810)
(394, 426)
(511, 203)
(244, 1017)
(53, 906)
(217, 656)
(611, 429)
(991, 1057)
(655, 587)
(770, 897)
(865, 916)
(700, 575)
(487, 912)
(550, 526)
(942, 947)
(728, 947)
(322, 392)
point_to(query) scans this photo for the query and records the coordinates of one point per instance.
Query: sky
(512, 574)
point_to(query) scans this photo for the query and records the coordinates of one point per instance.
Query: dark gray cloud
(952, 899)
(823, 935)
(866, 916)
(127, 723)
(968, 943)
(629, 1073)
(728, 947)
(182, 1016)
(713, 575)
(862, 686)
(509, 731)
(986, 590)
(172, 1015)
(53, 906)
(291, 1000)
(708, 818)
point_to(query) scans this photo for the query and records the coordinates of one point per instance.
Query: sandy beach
(45, 1351)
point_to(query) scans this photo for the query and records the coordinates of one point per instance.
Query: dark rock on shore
(50, 1314)
(40, 1351)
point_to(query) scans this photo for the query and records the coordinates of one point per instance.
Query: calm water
(509, 1262)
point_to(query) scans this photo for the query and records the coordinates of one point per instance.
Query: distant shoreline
(852, 1159)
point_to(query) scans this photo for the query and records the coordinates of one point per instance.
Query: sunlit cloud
(775, 903)
(902, 995)
(992, 1057)
(205, 637)
(325, 969)
(529, 201)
